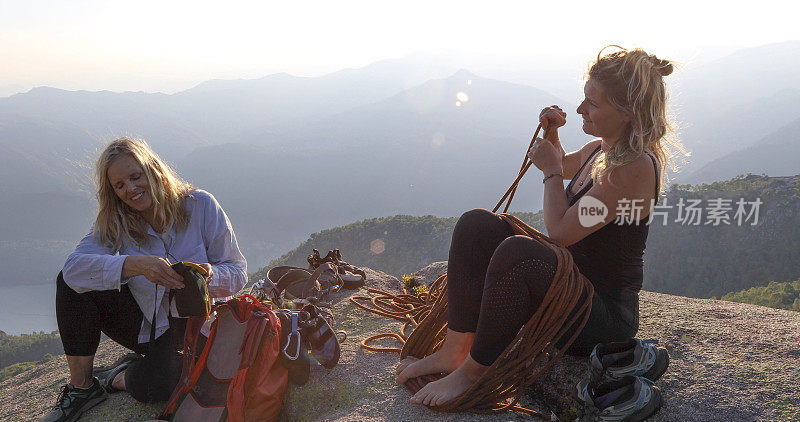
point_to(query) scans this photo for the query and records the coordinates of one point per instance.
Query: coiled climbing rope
(539, 343)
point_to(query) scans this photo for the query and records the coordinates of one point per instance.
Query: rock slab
(729, 362)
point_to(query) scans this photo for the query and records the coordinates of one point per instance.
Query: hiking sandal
(628, 399)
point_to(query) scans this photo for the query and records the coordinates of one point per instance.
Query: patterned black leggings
(496, 281)
(83, 316)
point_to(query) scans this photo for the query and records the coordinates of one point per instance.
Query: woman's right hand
(154, 268)
(551, 119)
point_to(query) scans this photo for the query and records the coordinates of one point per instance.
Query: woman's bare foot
(119, 381)
(440, 392)
(452, 353)
(404, 364)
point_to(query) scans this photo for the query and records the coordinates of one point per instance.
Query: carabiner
(296, 334)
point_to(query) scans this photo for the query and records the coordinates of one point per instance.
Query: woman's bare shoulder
(635, 175)
(591, 146)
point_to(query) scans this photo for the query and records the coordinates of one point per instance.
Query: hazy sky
(172, 45)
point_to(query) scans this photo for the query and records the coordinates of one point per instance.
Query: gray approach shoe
(72, 402)
(640, 358)
(628, 399)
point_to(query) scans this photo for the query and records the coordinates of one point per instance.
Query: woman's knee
(475, 218)
(516, 249)
(61, 285)
(479, 223)
(534, 263)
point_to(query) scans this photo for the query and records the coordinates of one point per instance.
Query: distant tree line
(774, 295)
(28, 347)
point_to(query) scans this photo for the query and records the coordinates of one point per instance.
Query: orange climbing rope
(539, 343)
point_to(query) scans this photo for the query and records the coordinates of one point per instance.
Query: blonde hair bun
(663, 67)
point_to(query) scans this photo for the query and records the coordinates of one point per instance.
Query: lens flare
(377, 246)
(463, 97)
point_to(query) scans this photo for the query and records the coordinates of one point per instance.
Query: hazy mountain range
(737, 102)
(288, 156)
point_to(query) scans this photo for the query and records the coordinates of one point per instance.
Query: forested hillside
(704, 259)
(689, 256)
(396, 245)
(16, 350)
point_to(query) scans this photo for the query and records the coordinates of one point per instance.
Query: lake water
(25, 309)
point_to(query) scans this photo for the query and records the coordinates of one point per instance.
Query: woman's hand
(551, 119)
(154, 268)
(545, 156)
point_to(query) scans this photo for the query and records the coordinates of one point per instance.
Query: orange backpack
(236, 377)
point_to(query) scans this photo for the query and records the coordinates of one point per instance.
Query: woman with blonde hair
(497, 280)
(119, 276)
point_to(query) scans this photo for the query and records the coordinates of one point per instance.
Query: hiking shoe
(106, 375)
(72, 402)
(627, 399)
(640, 358)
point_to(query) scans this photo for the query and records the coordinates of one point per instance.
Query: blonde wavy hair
(633, 82)
(115, 219)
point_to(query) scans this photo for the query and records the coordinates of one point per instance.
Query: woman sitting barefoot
(496, 280)
(119, 274)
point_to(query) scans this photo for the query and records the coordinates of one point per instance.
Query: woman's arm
(229, 268)
(93, 266)
(97, 267)
(568, 225)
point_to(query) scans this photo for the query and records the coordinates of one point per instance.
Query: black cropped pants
(496, 282)
(83, 316)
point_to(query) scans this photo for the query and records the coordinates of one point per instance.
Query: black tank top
(612, 257)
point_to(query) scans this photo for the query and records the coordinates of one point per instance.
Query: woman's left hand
(209, 272)
(545, 156)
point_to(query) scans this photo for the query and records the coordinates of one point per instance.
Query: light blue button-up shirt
(208, 238)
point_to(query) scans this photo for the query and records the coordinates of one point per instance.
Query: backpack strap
(193, 364)
(250, 347)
